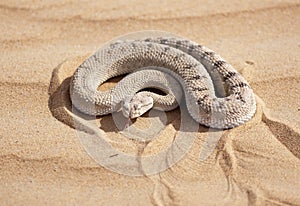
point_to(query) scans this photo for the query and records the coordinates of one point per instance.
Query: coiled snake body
(216, 95)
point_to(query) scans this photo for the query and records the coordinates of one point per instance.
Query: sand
(44, 159)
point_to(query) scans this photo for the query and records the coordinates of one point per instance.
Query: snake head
(137, 105)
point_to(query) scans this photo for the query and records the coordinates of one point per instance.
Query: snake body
(216, 95)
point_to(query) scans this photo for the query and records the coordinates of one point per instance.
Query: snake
(214, 93)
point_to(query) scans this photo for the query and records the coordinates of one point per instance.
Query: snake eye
(136, 106)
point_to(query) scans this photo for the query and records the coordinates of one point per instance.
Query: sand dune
(44, 158)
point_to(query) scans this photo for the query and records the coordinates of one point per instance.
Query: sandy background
(42, 161)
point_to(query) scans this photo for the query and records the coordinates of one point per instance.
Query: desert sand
(43, 157)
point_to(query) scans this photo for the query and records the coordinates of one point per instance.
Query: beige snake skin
(216, 95)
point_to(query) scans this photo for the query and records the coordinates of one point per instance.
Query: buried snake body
(216, 95)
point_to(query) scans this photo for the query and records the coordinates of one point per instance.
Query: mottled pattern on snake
(216, 94)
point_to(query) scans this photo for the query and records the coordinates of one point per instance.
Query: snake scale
(216, 95)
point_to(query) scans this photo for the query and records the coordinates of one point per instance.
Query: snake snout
(126, 109)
